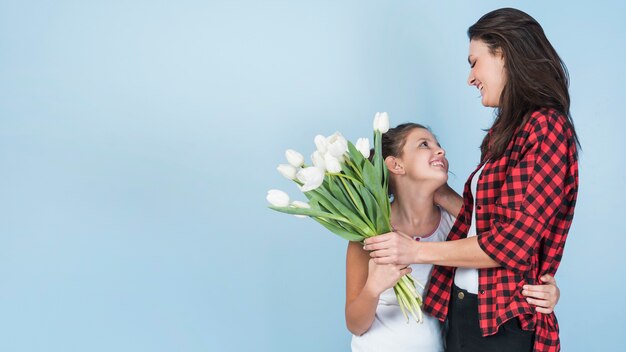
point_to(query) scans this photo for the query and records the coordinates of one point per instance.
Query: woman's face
(423, 158)
(486, 73)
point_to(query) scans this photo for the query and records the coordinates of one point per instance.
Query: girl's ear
(393, 165)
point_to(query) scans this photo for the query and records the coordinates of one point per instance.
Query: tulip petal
(294, 158)
(287, 170)
(277, 198)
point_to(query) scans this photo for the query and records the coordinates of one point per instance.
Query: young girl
(517, 206)
(417, 167)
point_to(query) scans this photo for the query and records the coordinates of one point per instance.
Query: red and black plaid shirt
(524, 208)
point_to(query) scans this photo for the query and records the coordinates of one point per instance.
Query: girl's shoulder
(445, 224)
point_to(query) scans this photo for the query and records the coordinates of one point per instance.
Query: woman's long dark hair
(536, 77)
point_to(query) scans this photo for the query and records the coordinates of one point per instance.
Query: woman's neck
(415, 213)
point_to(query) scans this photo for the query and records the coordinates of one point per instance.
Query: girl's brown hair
(393, 142)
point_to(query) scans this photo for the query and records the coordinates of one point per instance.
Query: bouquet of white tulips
(347, 194)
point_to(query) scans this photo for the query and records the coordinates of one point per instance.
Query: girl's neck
(415, 214)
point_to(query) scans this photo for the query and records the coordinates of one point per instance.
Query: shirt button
(478, 207)
(461, 295)
(482, 292)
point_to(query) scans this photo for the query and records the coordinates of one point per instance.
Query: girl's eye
(473, 64)
(424, 144)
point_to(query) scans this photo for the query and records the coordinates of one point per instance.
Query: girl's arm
(448, 199)
(361, 302)
(544, 297)
(365, 281)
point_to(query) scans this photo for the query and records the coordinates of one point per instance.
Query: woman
(525, 188)
(417, 168)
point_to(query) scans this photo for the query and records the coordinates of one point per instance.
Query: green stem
(410, 298)
(353, 167)
(346, 176)
(401, 302)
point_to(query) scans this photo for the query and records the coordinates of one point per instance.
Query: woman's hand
(545, 296)
(392, 248)
(384, 276)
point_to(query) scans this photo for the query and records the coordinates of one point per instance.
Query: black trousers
(463, 332)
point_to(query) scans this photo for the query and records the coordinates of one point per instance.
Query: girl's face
(423, 158)
(486, 73)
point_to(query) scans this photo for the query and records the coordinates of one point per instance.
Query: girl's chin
(437, 182)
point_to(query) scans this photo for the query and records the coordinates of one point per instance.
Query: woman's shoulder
(546, 119)
(545, 124)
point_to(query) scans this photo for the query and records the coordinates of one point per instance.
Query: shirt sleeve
(531, 195)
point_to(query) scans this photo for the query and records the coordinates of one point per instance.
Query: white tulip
(287, 170)
(294, 158)
(277, 198)
(301, 205)
(318, 159)
(337, 145)
(332, 164)
(320, 143)
(381, 122)
(312, 177)
(363, 145)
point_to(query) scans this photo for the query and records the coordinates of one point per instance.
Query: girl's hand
(381, 277)
(448, 199)
(392, 248)
(545, 296)
(443, 193)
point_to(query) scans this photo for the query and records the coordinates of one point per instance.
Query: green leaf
(345, 228)
(351, 170)
(347, 235)
(341, 194)
(358, 202)
(329, 201)
(356, 158)
(374, 211)
(373, 182)
(309, 212)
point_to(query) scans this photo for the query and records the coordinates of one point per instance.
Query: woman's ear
(393, 165)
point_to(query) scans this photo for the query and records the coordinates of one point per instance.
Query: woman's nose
(470, 79)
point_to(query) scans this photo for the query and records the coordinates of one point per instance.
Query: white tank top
(390, 330)
(467, 278)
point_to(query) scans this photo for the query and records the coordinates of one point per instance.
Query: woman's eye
(424, 144)
(473, 64)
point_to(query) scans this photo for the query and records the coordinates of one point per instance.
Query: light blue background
(138, 140)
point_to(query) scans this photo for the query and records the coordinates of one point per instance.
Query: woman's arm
(459, 253)
(448, 199)
(365, 281)
(397, 248)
